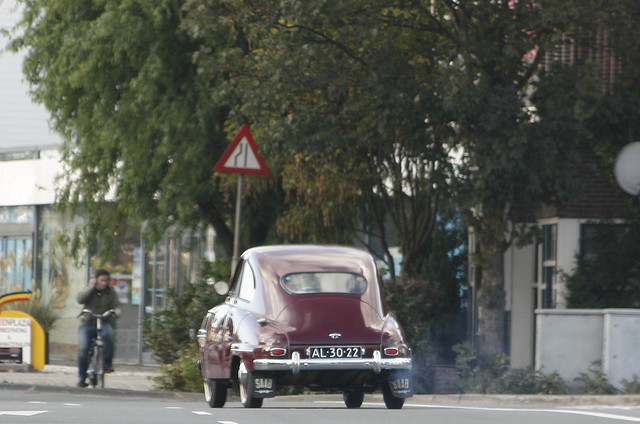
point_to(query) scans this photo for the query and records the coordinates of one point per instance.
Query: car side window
(247, 284)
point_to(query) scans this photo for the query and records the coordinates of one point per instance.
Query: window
(16, 260)
(324, 282)
(247, 287)
(594, 237)
(546, 275)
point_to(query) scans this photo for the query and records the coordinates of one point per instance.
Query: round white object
(627, 168)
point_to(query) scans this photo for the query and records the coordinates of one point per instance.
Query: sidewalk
(62, 376)
(136, 381)
(125, 377)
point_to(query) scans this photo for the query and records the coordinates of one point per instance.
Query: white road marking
(227, 422)
(556, 411)
(581, 411)
(22, 413)
(201, 413)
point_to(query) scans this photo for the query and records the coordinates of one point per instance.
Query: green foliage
(631, 387)
(609, 276)
(493, 376)
(172, 330)
(594, 382)
(141, 130)
(181, 375)
(431, 320)
(41, 310)
(551, 384)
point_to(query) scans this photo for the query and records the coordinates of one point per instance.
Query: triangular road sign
(242, 157)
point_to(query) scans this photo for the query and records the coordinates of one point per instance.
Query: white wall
(621, 356)
(519, 273)
(569, 341)
(28, 182)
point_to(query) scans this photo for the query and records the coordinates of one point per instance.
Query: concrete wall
(621, 356)
(519, 292)
(568, 341)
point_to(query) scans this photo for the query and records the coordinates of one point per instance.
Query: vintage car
(304, 316)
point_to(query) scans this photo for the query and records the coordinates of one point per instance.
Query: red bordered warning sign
(242, 156)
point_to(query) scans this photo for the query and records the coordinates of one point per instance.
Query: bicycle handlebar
(107, 314)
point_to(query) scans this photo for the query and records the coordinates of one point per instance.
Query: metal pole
(236, 232)
(143, 293)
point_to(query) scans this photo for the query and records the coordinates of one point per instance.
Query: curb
(42, 388)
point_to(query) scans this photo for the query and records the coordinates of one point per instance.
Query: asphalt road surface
(70, 408)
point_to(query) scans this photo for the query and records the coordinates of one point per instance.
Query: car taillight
(277, 351)
(391, 351)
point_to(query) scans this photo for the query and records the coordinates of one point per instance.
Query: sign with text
(15, 340)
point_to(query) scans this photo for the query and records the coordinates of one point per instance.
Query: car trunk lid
(339, 319)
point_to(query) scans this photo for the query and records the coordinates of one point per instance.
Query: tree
(142, 131)
(341, 96)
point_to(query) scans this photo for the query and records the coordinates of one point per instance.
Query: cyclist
(98, 297)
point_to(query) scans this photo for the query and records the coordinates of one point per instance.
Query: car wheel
(215, 394)
(245, 384)
(353, 398)
(390, 400)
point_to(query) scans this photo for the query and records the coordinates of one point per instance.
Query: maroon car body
(304, 316)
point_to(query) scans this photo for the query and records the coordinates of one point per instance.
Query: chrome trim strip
(297, 364)
(240, 348)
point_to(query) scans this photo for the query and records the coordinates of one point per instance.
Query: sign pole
(236, 232)
(241, 157)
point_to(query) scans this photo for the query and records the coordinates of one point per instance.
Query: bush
(631, 387)
(551, 384)
(491, 375)
(594, 382)
(169, 330)
(170, 333)
(183, 374)
(431, 321)
(43, 312)
(478, 375)
(519, 381)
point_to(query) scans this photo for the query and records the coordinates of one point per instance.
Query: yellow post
(37, 338)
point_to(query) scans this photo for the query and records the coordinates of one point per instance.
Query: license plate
(334, 352)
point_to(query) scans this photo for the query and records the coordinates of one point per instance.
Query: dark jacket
(98, 302)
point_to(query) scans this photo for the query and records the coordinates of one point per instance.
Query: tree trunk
(491, 303)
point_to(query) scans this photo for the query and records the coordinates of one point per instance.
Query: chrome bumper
(297, 364)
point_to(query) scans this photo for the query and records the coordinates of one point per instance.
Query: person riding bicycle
(99, 297)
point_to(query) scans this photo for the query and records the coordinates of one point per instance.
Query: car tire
(215, 393)
(390, 400)
(353, 398)
(245, 384)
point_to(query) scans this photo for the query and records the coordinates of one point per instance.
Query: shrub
(170, 333)
(631, 387)
(594, 382)
(491, 375)
(519, 381)
(167, 331)
(43, 312)
(183, 374)
(551, 384)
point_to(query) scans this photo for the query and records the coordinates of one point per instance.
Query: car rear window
(324, 282)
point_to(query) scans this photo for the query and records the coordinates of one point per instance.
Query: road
(77, 408)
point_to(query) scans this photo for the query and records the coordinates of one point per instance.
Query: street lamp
(627, 168)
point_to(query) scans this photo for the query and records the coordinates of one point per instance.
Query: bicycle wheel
(91, 370)
(99, 366)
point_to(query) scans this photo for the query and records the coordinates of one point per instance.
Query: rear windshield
(324, 282)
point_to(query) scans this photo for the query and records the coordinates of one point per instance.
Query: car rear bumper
(297, 364)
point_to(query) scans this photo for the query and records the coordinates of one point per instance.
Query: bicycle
(95, 358)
